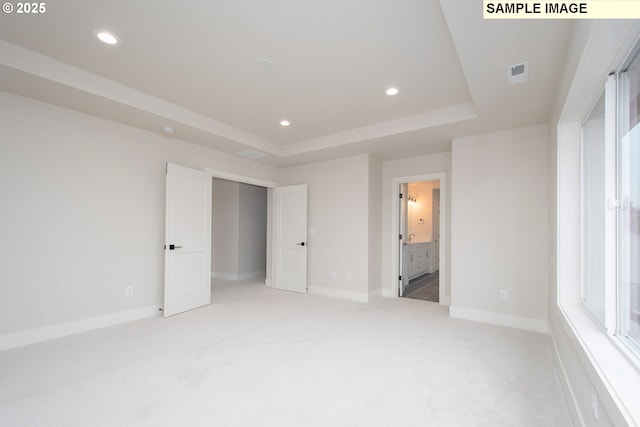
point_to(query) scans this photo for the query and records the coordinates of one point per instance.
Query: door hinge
(401, 195)
(400, 236)
(400, 278)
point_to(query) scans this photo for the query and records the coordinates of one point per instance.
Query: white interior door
(290, 238)
(436, 229)
(403, 278)
(187, 255)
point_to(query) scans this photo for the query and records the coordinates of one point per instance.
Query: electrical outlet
(128, 291)
(503, 294)
(333, 275)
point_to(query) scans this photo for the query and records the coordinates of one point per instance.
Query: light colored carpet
(262, 357)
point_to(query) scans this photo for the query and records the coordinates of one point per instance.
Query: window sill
(616, 366)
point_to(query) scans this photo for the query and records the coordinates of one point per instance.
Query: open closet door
(290, 243)
(187, 252)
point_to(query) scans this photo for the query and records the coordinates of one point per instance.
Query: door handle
(301, 244)
(172, 247)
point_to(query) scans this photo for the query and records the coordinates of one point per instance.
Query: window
(593, 197)
(611, 206)
(628, 171)
(593, 172)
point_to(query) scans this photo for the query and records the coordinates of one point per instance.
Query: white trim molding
(565, 383)
(518, 322)
(244, 179)
(32, 336)
(339, 293)
(388, 293)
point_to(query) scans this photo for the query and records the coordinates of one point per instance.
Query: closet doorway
(218, 243)
(238, 231)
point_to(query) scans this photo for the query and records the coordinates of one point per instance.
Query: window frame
(585, 223)
(623, 206)
(595, 365)
(616, 296)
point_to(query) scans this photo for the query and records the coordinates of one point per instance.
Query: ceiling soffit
(328, 64)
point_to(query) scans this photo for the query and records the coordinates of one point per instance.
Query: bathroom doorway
(420, 239)
(420, 222)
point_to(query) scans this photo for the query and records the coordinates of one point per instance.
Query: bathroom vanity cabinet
(418, 259)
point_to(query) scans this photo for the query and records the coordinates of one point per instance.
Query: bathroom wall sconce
(412, 199)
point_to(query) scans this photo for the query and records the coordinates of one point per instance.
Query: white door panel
(187, 282)
(403, 264)
(290, 218)
(436, 229)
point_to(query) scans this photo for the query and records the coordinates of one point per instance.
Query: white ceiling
(196, 65)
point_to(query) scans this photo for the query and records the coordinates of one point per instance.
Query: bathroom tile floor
(425, 288)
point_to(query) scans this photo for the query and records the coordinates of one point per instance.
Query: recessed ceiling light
(285, 123)
(392, 91)
(107, 37)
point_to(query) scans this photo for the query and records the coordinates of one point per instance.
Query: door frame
(216, 173)
(433, 192)
(403, 229)
(269, 185)
(395, 230)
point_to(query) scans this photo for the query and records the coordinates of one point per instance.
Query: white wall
(499, 227)
(414, 166)
(83, 213)
(375, 227)
(338, 223)
(252, 231)
(225, 214)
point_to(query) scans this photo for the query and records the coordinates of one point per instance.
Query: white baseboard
(388, 293)
(526, 323)
(338, 293)
(32, 336)
(445, 301)
(238, 276)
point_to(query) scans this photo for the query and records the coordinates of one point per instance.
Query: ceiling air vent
(518, 73)
(251, 154)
